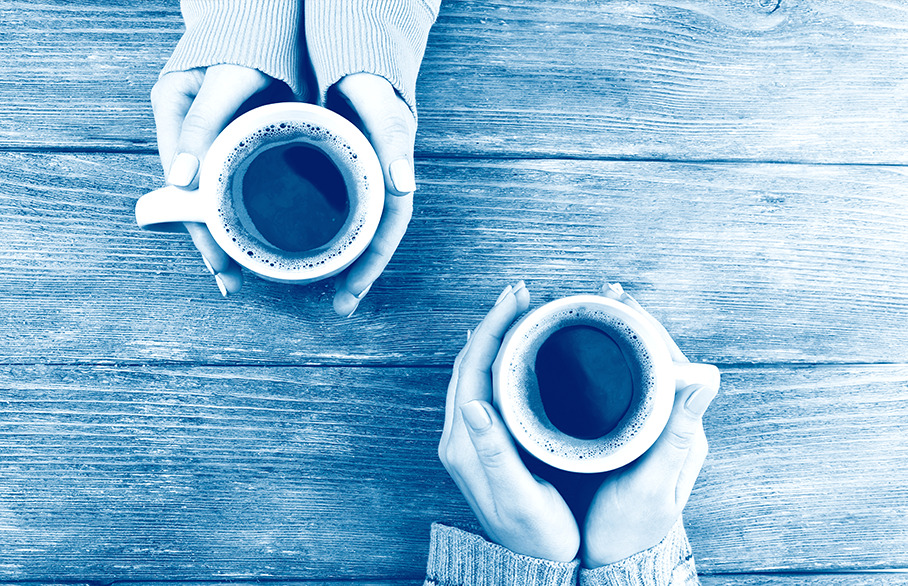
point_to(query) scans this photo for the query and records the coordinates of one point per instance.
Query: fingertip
(183, 170)
(403, 179)
(697, 398)
(476, 416)
(232, 277)
(345, 303)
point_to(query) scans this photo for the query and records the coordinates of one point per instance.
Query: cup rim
(372, 198)
(593, 458)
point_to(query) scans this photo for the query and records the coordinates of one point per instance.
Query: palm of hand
(630, 512)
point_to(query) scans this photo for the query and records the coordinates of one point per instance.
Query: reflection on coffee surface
(295, 196)
(585, 382)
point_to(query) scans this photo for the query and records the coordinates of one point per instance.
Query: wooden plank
(110, 473)
(800, 80)
(743, 263)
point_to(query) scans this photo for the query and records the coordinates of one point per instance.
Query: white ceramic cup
(217, 202)
(517, 397)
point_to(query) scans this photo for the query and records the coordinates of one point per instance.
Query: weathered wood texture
(770, 80)
(744, 263)
(322, 473)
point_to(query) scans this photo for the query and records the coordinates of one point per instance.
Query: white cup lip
(295, 112)
(513, 407)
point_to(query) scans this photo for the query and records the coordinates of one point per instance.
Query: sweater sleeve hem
(346, 37)
(459, 558)
(261, 35)
(668, 563)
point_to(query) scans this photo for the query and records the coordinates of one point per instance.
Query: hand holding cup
(516, 509)
(637, 505)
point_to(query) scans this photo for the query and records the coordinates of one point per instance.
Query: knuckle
(492, 455)
(196, 122)
(450, 457)
(681, 438)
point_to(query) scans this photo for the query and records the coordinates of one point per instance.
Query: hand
(516, 509)
(388, 123)
(636, 506)
(190, 109)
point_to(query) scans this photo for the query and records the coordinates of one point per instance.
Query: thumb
(223, 91)
(495, 450)
(388, 124)
(684, 427)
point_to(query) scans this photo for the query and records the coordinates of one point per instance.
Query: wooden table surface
(739, 165)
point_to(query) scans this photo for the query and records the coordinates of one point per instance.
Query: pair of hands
(632, 509)
(192, 107)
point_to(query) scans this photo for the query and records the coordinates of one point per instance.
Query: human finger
(171, 98)
(223, 91)
(685, 423)
(475, 373)
(389, 125)
(616, 291)
(505, 472)
(227, 272)
(696, 456)
(451, 393)
(353, 285)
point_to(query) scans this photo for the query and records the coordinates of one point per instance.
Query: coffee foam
(240, 228)
(530, 414)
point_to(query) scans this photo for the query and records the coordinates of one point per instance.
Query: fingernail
(221, 286)
(503, 294)
(402, 176)
(476, 416)
(616, 288)
(518, 287)
(469, 333)
(183, 170)
(363, 294)
(700, 399)
(208, 265)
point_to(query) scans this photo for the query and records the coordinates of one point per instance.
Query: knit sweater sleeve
(386, 38)
(458, 558)
(260, 34)
(669, 563)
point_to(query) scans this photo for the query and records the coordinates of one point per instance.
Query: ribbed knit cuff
(384, 38)
(458, 558)
(669, 563)
(260, 34)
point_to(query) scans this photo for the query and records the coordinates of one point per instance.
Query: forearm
(386, 38)
(459, 558)
(669, 563)
(259, 34)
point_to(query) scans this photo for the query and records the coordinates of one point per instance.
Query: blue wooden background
(738, 165)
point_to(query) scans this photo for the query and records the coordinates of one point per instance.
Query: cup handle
(692, 373)
(165, 209)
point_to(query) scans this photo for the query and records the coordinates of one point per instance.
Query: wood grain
(799, 80)
(743, 263)
(110, 473)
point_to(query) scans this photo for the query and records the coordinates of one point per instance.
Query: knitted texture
(459, 558)
(259, 34)
(669, 563)
(386, 38)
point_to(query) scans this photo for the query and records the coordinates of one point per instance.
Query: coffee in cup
(293, 192)
(587, 384)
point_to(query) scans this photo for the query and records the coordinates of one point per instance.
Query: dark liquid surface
(295, 196)
(585, 381)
